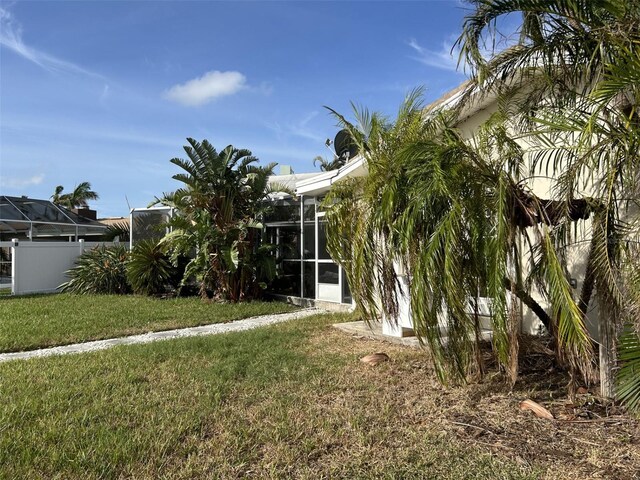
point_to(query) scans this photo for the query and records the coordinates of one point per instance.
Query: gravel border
(212, 329)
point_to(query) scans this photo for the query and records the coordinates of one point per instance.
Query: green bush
(149, 270)
(99, 270)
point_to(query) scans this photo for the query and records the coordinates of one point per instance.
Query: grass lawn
(286, 401)
(265, 403)
(46, 320)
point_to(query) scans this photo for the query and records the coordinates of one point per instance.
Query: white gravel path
(237, 326)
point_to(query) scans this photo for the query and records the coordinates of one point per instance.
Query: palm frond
(628, 379)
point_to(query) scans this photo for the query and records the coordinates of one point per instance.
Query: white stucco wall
(576, 254)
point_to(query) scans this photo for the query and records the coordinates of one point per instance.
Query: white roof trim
(323, 182)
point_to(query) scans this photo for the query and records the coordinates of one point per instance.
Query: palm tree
(81, 194)
(219, 207)
(563, 47)
(450, 213)
(328, 165)
(55, 198)
(578, 63)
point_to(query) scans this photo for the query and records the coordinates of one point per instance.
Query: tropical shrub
(579, 65)
(455, 214)
(217, 221)
(149, 270)
(101, 270)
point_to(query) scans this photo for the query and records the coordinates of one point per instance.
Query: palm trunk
(608, 312)
(478, 337)
(608, 355)
(608, 321)
(606, 327)
(589, 280)
(529, 301)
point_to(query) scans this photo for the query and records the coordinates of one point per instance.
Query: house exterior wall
(577, 253)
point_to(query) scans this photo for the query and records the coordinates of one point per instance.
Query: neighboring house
(47, 243)
(41, 220)
(113, 221)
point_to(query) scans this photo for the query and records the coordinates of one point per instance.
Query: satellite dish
(344, 145)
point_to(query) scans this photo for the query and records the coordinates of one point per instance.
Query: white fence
(39, 267)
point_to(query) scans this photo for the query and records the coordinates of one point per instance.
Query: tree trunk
(607, 327)
(606, 324)
(528, 300)
(609, 314)
(589, 279)
(478, 337)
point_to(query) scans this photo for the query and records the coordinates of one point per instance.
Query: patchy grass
(286, 401)
(591, 439)
(40, 321)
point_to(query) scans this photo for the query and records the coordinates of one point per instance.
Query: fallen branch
(598, 420)
(537, 409)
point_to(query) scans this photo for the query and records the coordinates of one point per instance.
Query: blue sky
(107, 92)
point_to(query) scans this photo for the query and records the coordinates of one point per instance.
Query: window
(309, 280)
(328, 273)
(288, 280)
(323, 253)
(309, 241)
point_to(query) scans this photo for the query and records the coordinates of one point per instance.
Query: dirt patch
(589, 438)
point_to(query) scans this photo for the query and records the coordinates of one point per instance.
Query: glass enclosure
(305, 269)
(282, 229)
(42, 220)
(149, 223)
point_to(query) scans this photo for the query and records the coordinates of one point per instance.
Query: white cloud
(13, 182)
(300, 129)
(11, 38)
(446, 58)
(208, 87)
